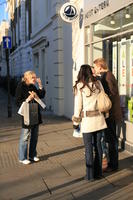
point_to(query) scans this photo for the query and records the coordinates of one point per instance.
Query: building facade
(20, 31)
(4, 26)
(52, 55)
(43, 42)
(108, 33)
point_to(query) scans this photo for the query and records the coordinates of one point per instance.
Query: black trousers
(112, 140)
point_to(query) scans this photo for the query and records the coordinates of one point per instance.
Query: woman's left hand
(34, 95)
(39, 83)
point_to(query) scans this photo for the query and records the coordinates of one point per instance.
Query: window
(36, 60)
(112, 39)
(115, 24)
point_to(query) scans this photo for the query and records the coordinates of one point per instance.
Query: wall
(21, 57)
(77, 43)
(68, 63)
(56, 72)
(3, 32)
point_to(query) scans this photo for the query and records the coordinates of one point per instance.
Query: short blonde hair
(27, 74)
(100, 62)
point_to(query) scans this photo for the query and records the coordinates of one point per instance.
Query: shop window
(98, 50)
(120, 21)
(112, 39)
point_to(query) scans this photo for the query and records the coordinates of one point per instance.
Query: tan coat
(85, 102)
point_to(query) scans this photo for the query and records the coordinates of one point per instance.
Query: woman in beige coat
(92, 121)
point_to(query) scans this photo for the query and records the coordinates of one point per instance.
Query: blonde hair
(27, 74)
(101, 63)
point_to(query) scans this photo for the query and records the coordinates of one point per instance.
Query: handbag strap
(100, 85)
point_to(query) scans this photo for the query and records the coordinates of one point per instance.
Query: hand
(30, 97)
(35, 95)
(76, 127)
(39, 82)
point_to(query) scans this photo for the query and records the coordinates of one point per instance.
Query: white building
(4, 26)
(52, 55)
(43, 42)
(108, 33)
(20, 32)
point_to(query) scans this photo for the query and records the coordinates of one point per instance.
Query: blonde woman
(26, 91)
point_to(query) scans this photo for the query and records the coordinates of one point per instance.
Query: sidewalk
(59, 174)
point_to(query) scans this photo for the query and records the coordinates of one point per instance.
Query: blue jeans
(23, 143)
(92, 141)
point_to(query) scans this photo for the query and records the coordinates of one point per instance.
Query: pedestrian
(115, 116)
(27, 91)
(92, 121)
(103, 142)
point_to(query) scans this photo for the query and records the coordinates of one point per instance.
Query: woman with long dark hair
(92, 121)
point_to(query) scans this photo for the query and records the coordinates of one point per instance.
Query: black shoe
(109, 169)
(88, 180)
(98, 177)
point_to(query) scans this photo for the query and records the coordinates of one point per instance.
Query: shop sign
(97, 9)
(69, 12)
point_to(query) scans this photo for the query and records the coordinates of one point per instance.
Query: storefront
(109, 34)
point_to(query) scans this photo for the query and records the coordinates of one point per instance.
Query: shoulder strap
(100, 85)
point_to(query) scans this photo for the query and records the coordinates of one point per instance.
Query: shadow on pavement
(95, 193)
(45, 157)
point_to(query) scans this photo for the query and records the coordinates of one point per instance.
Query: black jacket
(22, 93)
(111, 88)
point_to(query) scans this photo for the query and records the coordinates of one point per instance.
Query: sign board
(131, 66)
(7, 42)
(123, 75)
(114, 57)
(69, 12)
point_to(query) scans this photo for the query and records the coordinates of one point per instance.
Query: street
(60, 172)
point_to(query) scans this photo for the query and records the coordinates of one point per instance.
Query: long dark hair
(85, 76)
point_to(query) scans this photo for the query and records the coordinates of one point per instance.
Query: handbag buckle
(85, 113)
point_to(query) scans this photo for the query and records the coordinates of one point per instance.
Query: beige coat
(85, 102)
